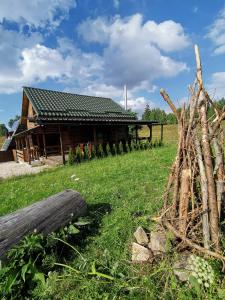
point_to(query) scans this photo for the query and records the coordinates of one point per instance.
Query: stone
(141, 236)
(157, 242)
(140, 253)
(181, 268)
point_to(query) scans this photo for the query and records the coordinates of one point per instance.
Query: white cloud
(216, 33)
(216, 86)
(132, 49)
(37, 13)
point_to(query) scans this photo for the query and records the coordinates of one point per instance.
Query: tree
(3, 130)
(13, 120)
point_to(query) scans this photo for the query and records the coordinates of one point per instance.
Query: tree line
(160, 115)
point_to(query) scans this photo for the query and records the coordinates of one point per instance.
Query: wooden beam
(61, 145)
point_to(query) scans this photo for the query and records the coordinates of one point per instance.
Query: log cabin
(52, 122)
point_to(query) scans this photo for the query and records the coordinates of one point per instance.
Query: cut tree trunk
(43, 217)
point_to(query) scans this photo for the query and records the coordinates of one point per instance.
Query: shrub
(127, 147)
(86, 152)
(71, 157)
(132, 146)
(107, 150)
(120, 148)
(114, 150)
(147, 144)
(138, 145)
(93, 152)
(78, 154)
(100, 152)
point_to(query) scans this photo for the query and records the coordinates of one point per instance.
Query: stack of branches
(193, 197)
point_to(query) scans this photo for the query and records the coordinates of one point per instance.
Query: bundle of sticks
(195, 188)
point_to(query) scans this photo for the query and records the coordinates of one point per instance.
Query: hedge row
(90, 151)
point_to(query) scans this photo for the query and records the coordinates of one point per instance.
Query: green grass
(127, 184)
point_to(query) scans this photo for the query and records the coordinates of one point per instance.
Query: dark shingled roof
(59, 106)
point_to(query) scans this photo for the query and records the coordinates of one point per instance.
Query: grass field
(115, 188)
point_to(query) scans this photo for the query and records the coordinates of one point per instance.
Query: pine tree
(114, 150)
(127, 147)
(100, 152)
(120, 148)
(78, 154)
(86, 152)
(93, 151)
(108, 150)
(71, 157)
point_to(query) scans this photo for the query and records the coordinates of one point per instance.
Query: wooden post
(161, 136)
(136, 133)
(44, 143)
(28, 149)
(61, 145)
(95, 135)
(150, 130)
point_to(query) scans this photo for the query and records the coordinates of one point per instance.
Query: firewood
(184, 199)
(204, 194)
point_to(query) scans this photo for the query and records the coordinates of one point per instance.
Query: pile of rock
(148, 245)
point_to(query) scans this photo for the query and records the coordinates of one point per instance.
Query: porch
(46, 141)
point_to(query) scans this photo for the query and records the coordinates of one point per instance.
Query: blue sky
(96, 46)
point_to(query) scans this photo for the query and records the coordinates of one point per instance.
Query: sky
(95, 47)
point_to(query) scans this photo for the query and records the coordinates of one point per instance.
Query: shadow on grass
(95, 213)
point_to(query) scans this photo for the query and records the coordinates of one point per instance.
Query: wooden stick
(198, 66)
(190, 243)
(184, 199)
(204, 191)
(170, 103)
(214, 216)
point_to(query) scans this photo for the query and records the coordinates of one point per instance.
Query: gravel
(10, 169)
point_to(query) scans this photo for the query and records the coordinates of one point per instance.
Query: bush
(93, 152)
(107, 150)
(114, 150)
(78, 154)
(71, 157)
(138, 145)
(147, 145)
(120, 148)
(100, 152)
(127, 147)
(86, 152)
(132, 146)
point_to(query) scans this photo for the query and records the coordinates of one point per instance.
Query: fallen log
(43, 217)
